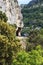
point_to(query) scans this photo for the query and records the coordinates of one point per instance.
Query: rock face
(13, 11)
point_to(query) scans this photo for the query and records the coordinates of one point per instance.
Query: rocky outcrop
(13, 11)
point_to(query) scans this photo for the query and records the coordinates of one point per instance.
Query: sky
(23, 1)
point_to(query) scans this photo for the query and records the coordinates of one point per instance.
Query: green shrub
(35, 38)
(5, 51)
(3, 16)
(7, 30)
(34, 57)
(9, 46)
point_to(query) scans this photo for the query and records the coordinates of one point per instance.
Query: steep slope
(33, 13)
(32, 16)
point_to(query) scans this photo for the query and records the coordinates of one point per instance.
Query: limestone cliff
(13, 11)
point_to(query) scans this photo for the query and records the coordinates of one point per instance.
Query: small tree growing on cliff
(3, 16)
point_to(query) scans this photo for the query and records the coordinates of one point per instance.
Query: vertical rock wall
(13, 11)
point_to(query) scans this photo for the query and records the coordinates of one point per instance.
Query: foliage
(3, 16)
(7, 30)
(5, 51)
(33, 15)
(34, 57)
(35, 38)
(9, 46)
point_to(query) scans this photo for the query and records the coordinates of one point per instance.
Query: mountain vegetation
(9, 46)
(11, 51)
(33, 15)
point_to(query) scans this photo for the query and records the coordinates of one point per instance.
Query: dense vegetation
(33, 15)
(11, 52)
(9, 46)
(34, 57)
(3, 16)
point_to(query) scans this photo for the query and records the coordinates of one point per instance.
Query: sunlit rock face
(13, 11)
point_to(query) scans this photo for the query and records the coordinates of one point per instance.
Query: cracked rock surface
(13, 11)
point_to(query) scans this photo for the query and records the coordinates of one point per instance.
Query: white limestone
(13, 11)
